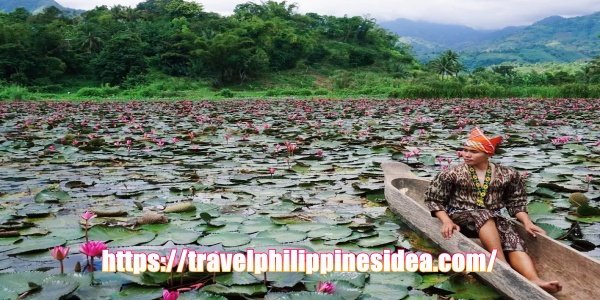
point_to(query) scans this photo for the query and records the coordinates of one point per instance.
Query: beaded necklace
(481, 189)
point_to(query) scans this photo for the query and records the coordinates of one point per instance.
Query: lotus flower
(167, 295)
(327, 287)
(92, 248)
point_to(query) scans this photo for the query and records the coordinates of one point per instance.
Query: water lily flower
(51, 148)
(272, 170)
(92, 248)
(88, 215)
(561, 140)
(59, 253)
(588, 178)
(175, 140)
(160, 142)
(327, 287)
(319, 153)
(290, 147)
(170, 295)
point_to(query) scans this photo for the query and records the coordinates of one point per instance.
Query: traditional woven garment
(454, 191)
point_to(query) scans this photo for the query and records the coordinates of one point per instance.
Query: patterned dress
(454, 191)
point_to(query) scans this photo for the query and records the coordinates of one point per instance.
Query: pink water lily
(88, 215)
(290, 147)
(170, 295)
(59, 253)
(327, 287)
(319, 153)
(271, 170)
(92, 248)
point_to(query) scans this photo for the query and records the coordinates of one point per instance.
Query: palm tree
(447, 63)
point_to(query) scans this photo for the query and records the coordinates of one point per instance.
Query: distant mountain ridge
(34, 6)
(553, 39)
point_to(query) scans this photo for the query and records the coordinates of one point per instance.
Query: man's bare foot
(549, 286)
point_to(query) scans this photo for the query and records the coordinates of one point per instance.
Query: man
(471, 195)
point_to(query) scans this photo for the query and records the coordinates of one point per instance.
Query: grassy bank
(309, 83)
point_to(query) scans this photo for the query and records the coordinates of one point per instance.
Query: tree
(447, 63)
(592, 70)
(122, 56)
(232, 58)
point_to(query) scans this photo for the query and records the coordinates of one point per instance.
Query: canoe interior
(578, 273)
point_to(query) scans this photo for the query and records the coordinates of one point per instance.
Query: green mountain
(34, 6)
(553, 39)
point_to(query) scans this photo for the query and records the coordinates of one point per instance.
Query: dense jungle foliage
(175, 49)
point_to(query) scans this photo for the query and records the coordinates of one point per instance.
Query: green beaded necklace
(481, 189)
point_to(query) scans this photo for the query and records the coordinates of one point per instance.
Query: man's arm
(516, 204)
(437, 197)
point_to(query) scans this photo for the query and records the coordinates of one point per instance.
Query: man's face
(474, 157)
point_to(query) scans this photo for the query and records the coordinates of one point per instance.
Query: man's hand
(533, 229)
(448, 229)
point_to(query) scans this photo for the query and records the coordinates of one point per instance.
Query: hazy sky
(488, 14)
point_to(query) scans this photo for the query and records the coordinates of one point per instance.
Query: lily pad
(385, 291)
(245, 290)
(227, 239)
(302, 296)
(283, 236)
(379, 240)
(406, 279)
(120, 236)
(237, 278)
(51, 196)
(330, 233)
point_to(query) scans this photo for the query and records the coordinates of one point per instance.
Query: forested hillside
(119, 45)
(176, 49)
(553, 39)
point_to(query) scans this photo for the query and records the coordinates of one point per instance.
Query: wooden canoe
(578, 273)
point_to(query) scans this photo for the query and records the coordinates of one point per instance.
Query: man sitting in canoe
(471, 195)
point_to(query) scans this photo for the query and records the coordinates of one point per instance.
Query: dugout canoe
(578, 273)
